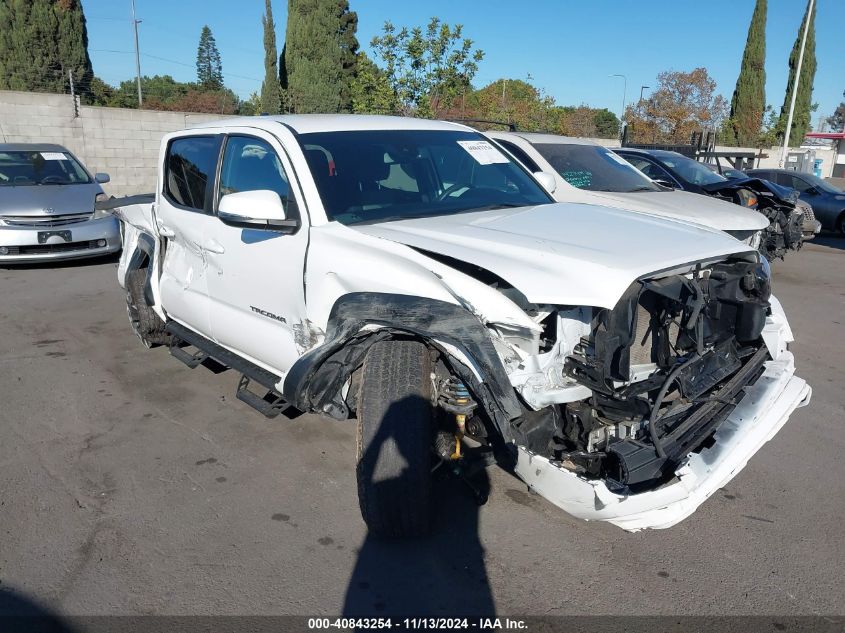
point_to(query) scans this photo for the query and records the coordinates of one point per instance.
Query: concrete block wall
(121, 142)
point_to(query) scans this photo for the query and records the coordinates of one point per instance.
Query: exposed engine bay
(786, 219)
(623, 395)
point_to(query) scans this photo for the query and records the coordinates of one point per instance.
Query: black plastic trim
(315, 381)
(223, 356)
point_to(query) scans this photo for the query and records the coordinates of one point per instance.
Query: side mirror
(812, 191)
(101, 177)
(260, 209)
(547, 181)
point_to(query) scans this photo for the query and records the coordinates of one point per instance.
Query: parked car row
(415, 277)
(46, 210)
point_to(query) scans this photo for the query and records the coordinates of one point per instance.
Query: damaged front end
(665, 366)
(668, 369)
(786, 218)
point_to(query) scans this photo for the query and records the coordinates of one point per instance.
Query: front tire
(840, 224)
(142, 318)
(395, 421)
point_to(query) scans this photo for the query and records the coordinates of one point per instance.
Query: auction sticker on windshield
(52, 156)
(483, 152)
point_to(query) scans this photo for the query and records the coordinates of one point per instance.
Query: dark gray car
(827, 201)
(47, 206)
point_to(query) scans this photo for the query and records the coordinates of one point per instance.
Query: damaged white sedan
(408, 274)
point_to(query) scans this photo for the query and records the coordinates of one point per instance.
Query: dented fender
(359, 319)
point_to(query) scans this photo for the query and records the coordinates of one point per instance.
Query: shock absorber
(455, 398)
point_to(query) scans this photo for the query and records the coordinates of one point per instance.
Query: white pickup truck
(408, 274)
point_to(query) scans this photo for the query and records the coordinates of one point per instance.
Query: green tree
(271, 101)
(209, 65)
(251, 106)
(836, 121)
(769, 128)
(804, 93)
(749, 98)
(319, 56)
(606, 122)
(41, 41)
(347, 30)
(371, 92)
(511, 101)
(429, 69)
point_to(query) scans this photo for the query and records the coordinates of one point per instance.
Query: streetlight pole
(795, 87)
(641, 92)
(624, 96)
(135, 23)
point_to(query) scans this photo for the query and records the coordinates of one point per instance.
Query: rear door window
(190, 166)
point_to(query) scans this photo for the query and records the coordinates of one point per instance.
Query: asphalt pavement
(130, 484)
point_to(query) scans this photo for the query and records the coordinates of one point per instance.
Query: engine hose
(652, 419)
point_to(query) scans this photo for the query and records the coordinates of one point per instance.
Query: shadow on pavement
(442, 574)
(830, 240)
(19, 614)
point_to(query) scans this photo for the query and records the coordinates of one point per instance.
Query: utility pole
(624, 96)
(72, 93)
(135, 23)
(795, 87)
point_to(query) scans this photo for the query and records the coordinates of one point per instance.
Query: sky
(568, 48)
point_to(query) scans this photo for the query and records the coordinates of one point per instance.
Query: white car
(408, 274)
(584, 171)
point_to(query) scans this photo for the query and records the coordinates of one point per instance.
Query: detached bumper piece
(755, 419)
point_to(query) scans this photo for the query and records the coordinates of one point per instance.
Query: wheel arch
(142, 258)
(358, 320)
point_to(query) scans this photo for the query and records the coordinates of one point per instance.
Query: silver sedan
(47, 206)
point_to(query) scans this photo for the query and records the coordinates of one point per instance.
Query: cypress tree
(320, 47)
(40, 42)
(271, 102)
(347, 29)
(803, 100)
(209, 65)
(749, 98)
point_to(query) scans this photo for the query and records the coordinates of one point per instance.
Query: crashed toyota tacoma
(408, 274)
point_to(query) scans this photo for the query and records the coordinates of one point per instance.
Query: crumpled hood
(62, 199)
(572, 254)
(689, 207)
(784, 195)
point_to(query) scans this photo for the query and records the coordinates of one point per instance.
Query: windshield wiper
(641, 188)
(493, 207)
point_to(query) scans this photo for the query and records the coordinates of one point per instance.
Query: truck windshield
(594, 168)
(382, 175)
(27, 168)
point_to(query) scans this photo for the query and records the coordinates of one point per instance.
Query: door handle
(166, 232)
(213, 246)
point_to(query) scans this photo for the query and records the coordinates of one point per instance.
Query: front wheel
(395, 421)
(840, 224)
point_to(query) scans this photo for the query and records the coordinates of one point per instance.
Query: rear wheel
(840, 224)
(144, 321)
(395, 421)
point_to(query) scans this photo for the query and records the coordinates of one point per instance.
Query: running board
(271, 404)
